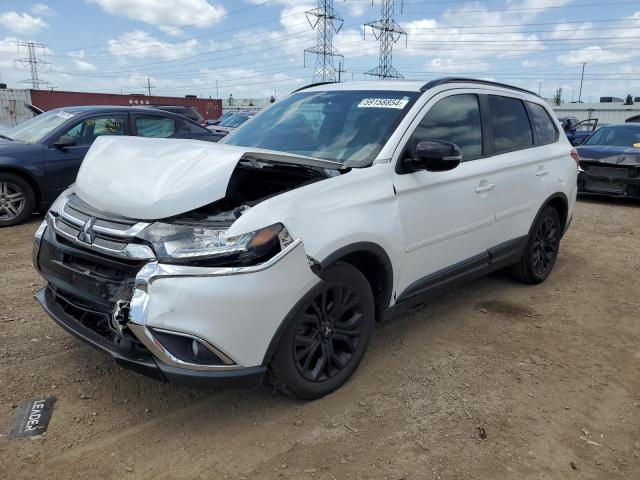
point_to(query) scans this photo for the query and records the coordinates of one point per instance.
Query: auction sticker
(398, 103)
(66, 115)
(32, 417)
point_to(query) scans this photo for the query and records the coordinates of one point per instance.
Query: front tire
(326, 341)
(541, 252)
(17, 200)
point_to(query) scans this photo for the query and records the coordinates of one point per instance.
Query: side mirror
(64, 141)
(434, 156)
(577, 141)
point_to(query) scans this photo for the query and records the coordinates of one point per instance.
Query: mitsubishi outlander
(275, 251)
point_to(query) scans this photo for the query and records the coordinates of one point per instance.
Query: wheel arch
(560, 203)
(374, 263)
(357, 254)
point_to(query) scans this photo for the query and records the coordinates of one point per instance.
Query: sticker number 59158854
(398, 103)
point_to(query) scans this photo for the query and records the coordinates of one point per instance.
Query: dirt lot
(552, 374)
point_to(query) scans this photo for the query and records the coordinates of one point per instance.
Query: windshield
(346, 126)
(234, 120)
(37, 128)
(618, 136)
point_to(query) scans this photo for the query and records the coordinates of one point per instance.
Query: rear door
(62, 164)
(523, 157)
(446, 216)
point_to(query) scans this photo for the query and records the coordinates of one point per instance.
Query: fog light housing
(189, 349)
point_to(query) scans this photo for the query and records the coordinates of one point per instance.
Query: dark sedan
(40, 158)
(610, 161)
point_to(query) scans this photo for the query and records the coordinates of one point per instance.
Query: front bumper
(143, 363)
(233, 312)
(607, 179)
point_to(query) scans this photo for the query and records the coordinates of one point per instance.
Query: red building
(50, 99)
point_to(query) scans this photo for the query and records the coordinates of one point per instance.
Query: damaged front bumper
(192, 326)
(609, 179)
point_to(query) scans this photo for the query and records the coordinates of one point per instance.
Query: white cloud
(42, 9)
(201, 13)
(140, 45)
(83, 66)
(595, 54)
(21, 22)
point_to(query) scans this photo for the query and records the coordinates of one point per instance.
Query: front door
(62, 164)
(446, 216)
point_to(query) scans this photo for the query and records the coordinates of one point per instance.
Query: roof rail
(312, 85)
(443, 81)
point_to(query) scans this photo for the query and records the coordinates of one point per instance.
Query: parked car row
(230, 122)
(40, 157)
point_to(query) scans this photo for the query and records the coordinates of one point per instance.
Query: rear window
(155, 127)
(543, 124)
(511, 127)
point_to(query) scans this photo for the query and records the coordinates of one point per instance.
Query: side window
(511, 127)
(154, 126)
(88, 130)
(454, 119)
(186, 128)
(544, 126)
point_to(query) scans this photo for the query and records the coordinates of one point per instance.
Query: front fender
(329, 215)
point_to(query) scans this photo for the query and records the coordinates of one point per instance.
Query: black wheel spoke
(328, 332)
(544, 246)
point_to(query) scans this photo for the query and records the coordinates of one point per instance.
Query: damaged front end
(163, 296)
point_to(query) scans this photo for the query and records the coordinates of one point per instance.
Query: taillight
(575, 156)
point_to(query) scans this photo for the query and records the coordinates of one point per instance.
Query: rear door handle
(485, 188)
(542, 172)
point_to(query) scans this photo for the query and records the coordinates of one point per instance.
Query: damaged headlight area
(208, 246)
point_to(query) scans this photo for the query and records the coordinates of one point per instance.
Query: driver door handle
(542, 172)
(485, 188)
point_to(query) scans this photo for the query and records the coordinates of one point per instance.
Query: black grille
(87, 285)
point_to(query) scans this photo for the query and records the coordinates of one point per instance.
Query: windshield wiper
(5, 137)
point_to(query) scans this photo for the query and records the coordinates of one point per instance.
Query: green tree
(557, 98)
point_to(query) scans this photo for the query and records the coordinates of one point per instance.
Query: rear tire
(326, 341)
(17, 200)
(541, 252)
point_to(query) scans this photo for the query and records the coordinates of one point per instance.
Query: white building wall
(12, 106)
(606, 113)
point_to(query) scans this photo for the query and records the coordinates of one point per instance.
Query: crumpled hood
(155, 178)
(610, 154)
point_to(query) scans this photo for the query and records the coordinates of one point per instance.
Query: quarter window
(454, 119)
(511, 127)
(544, 126)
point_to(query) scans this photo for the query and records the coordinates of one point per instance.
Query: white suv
(276, 250)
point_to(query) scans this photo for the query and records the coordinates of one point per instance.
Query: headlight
(203, 245)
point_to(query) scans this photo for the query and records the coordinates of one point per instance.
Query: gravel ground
(550, 374)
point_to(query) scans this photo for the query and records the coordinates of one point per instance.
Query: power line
(387, 31)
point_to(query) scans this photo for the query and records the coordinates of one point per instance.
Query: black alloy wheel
(328, 333)
(545, 246)
(327, 337)
(542, 248)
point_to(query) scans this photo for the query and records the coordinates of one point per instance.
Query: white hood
(154, 178)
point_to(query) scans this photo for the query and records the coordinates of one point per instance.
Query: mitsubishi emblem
(87, 235)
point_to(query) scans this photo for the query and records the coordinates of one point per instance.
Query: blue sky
(254, 48)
